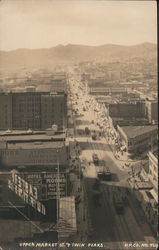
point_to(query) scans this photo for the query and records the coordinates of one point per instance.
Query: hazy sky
(47, 23)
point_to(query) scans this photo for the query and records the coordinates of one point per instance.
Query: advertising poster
(78, 125)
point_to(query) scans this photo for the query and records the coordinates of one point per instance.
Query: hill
(28, 58)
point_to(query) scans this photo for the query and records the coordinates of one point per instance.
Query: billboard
(46, 183)
(26, 191)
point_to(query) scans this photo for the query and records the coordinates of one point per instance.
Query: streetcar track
(117, 232)
(126, 228)
(107, 204)
(137, 216)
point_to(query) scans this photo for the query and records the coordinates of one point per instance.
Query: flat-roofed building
(138, 139)
(38, 158)
(127, 109)
(33, 110)
(34, 150)
(127, 113)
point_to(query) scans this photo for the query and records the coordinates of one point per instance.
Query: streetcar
(107, 173)
(104, 173)
(118, 202)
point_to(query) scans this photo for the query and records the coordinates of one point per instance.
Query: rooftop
(134, 131)
(23, 135)
(36, 145)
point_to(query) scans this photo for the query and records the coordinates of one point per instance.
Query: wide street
(104, 223)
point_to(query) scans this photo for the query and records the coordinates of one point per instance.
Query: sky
(47, 23)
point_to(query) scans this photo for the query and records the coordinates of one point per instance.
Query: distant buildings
(104, 91)
(138, 139)
(100, 90)
(33, 110)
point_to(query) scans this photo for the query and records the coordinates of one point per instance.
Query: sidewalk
(81, 210)
(82, 217)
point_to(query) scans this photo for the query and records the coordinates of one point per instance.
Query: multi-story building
(148, 198)
(5, 111)
(127, 109)
(53, 110)
(26, 110)
(152, 111)
(33, 110)
(153, 173)
(127, 113)
(38, 157)
(138, 139)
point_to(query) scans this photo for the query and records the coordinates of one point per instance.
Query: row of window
(8, 152)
